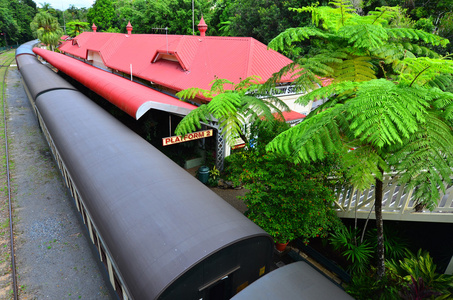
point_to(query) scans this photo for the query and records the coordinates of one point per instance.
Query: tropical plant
(386, 100)
(357, 252)
(47, 29)
(396, 245)
(366, 287)
(214, 176)
(419, 272)
(287, 200)
(232, 105)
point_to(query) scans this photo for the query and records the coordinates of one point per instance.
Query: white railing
(398, 204)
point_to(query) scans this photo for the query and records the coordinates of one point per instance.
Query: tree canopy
(102, 14)
(47, 29)
(15, 18)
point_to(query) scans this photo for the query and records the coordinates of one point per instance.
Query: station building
(141, 73)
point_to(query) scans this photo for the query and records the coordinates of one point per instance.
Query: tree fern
(293, 35)
(313, 138)
(355, 69)
(231, 105)
(423, 161)
(365, 36)
(423, 70)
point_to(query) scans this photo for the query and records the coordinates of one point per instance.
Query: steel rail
(10, 209)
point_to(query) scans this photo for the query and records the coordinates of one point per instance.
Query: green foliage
(286, 200)
(75, 28)
(384, 101)
(47, 29)
(421, 266)
(214, 176)
(366, 286)
(15, 19)
(232, 106)
(425, 25)
(359, 254)
(260, 19)
(176, 15)
(102, 13)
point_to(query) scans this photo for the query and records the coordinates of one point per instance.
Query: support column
(220, 151)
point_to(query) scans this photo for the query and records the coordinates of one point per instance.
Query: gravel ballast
(54, 255)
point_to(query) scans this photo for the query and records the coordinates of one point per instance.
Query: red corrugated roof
(291, 115)
(199, 59)
(131, 97)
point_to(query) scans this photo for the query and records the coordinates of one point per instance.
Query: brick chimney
(94, 27)
(129, 28)
(202, 27)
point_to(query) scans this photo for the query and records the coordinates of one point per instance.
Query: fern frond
(192, 93)
(336, 88)
(254, 109)
(364, 36)
(382, 113)
(382, 15)
(192, 121)
(423, 70)
(312, 139)
(441, 82)
(247, 84)
(362, 165)
(294, 35)
(415, 34)
(355, 69)
(425, 159)
(218, 86)
(224, 104)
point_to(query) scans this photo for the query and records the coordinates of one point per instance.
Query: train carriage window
(118, 287)
(219, 288)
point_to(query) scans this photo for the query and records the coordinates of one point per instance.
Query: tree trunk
(380, 228)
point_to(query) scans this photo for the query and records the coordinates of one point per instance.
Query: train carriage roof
(294, 281)
(137, 197)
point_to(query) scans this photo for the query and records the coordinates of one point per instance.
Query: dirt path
(53, 255)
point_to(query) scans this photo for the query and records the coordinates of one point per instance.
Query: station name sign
(188, 137)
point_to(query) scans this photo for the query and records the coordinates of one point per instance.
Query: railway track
(8, 256)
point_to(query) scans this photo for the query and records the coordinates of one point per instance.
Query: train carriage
(160, 232)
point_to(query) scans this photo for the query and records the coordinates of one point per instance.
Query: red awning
(133, 98)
